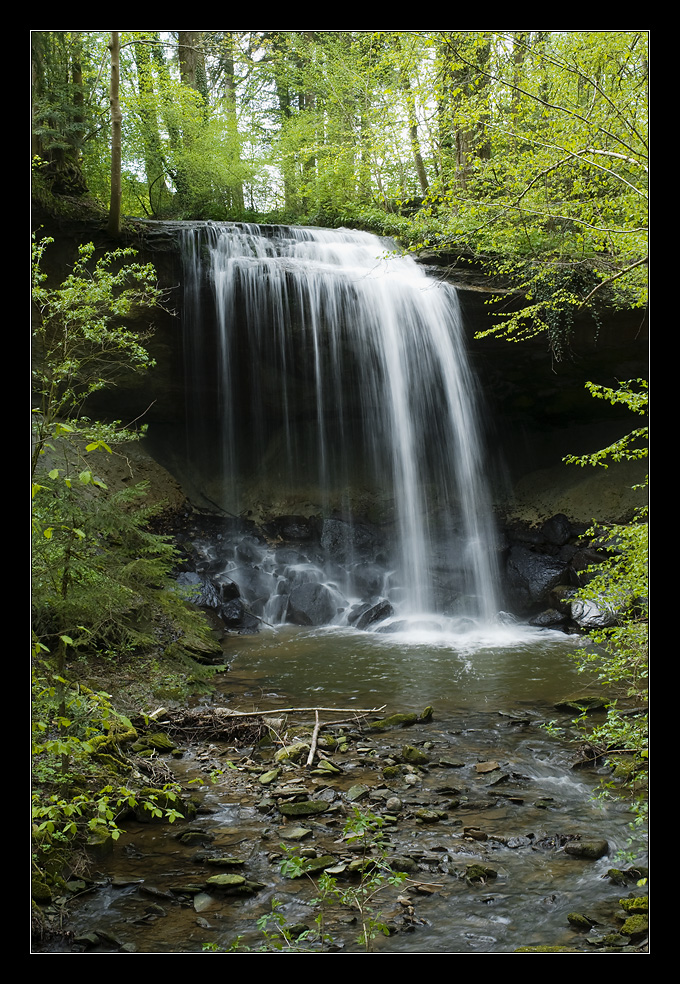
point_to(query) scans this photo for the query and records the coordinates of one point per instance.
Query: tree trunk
(116, 136)
(159, 195)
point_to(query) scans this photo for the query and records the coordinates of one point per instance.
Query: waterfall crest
(341, 389)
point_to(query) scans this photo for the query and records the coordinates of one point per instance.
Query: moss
(637, 904)
(635, 925)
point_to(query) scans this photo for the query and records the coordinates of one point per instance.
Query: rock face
(296, 557)
(537, 409)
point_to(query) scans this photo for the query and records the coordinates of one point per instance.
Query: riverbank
(499, 836)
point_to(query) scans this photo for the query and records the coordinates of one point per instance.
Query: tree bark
(116, 136)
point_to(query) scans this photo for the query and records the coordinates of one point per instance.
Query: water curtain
(341, 386)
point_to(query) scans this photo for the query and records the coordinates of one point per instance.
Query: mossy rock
(636, 925)
(40, 891)
(430, 816)
(313, 865)
(268, 777)
(394, 721)
(152, 803)
(401, 720)
(112, 762)
(226, 882)
(196, 837)
(304, 808)
(225, 862)
(391, 772)
(325, 767)
(292, 753)
(579, 921)
(637, 904)
(580, 705)
(414, 756)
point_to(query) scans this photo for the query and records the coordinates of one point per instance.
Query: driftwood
(215, 723)
(246, 727)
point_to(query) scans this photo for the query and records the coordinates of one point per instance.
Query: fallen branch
(315, 737)
(303, 710)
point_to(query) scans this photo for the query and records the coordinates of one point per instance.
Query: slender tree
(116, 137)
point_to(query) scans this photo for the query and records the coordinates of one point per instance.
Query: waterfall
(336, 374)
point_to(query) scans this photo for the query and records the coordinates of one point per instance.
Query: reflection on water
(417, 666)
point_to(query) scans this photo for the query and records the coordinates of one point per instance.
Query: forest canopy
(526, 150)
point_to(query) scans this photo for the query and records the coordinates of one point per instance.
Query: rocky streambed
(501, 846)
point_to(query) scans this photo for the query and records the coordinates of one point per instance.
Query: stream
(491, 694)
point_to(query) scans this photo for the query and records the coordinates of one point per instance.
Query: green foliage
(526, 150)
(70, 723)
(632, 446)
(620, 586)
(100, 574)
(96, 563)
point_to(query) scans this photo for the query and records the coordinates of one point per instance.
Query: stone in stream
(305, 808)
(414, 756)
(591, 850)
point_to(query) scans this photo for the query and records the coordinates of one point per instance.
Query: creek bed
(492, 697)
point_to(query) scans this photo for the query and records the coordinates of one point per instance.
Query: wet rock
(636, 904)
(589, 614)
(479, 873)
(377, 613)
(393, 721)
(305, 808)
(292, 753)
(414, 756)
(236, 616)
(226, 862)
(347, 541)
(531, 576)
(256, 587)
(226, 882)
(356, 793)
(557, 530)
(549, 619)
(448, 762)
(484, 767)
(313, 604)
(368, 580)
(295, 833)
(635, 926)
(590, 850)
(430, 816)
(250, 551)
(579, 921)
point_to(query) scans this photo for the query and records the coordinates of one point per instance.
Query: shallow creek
(491, 696)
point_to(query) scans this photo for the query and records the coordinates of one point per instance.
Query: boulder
(531, 576)
(313, 604)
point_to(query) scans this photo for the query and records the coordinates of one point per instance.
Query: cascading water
(342, 389)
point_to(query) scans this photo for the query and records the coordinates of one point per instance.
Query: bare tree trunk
(116, 136)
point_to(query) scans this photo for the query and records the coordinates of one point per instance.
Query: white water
(342, 366)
